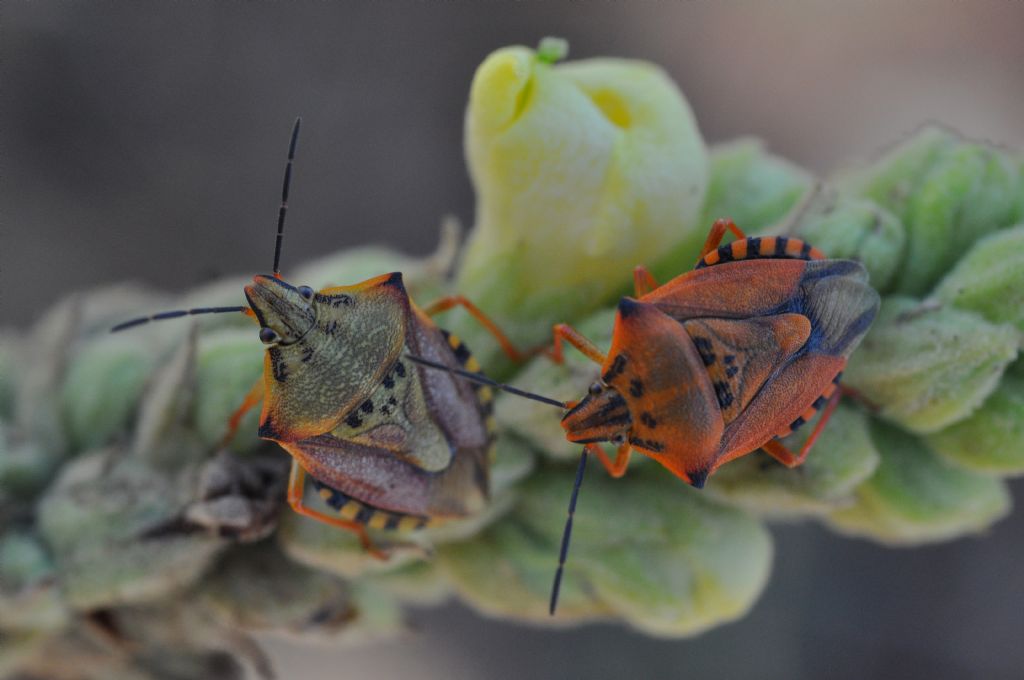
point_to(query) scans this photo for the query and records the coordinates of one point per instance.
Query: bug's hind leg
(252, 397)
(296, 490)
(718, 230)
(781, 453)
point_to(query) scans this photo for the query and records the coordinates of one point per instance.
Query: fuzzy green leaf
(928, 366)
(648, 549)
(992, 438)
(989, 278)
(916, 497)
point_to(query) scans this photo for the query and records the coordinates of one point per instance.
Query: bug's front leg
(616, 468)
(296, 492)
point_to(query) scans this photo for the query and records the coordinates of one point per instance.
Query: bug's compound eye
(306, 292)
(596, 388)
(619, 439)
(268, 336)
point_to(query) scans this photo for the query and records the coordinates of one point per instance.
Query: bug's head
(285, 313)
(602, 416)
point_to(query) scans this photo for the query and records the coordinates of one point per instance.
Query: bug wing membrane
(840, 304)
(656, 368)
(377, 477)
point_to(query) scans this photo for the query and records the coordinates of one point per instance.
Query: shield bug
(720, 361)
(388, 445)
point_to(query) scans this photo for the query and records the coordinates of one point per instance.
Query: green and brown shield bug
(720, 361)
(388, 444)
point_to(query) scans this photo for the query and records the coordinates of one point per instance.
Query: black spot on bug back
(617, 367)
(731, 371)
(704, 349)
(366, 406)
(729, 358)
(648, 420)
(724, 394)
(278, 365)
(648, 444)
(725, 254)
(400, 369)
(340, 300)
(388, 382)
(753, 246)
(636, 387)
(353, 420)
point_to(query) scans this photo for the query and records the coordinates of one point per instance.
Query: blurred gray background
(146, 140)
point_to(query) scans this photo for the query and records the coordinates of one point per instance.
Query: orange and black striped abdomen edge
(761, 247)
(484, 393)
(813, 409)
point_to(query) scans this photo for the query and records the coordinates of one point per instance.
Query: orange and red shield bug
(720, 361)
(388, 444)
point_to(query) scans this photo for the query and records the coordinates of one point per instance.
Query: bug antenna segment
(178, 313)
(283, 210)
(484, 380)
(567, 533)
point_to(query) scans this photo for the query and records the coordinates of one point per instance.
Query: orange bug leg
(643, 281)
(616, 468)
(569, 334)
(296, 490)
(856, 395)
(779, 452)
(718, 230)
(446, 303)
(252, 397)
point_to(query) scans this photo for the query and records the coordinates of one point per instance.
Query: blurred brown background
(146, 140)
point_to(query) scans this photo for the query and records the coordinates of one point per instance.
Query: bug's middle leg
(643, 281)
(252, 397)
(446, 303)
(565, 332)
(296, 491)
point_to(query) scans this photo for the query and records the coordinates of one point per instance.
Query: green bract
(115, 497)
